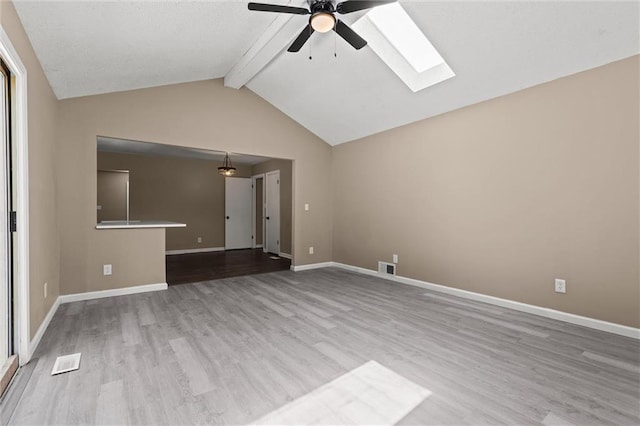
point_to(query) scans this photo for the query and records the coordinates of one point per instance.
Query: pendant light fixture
(227, 168)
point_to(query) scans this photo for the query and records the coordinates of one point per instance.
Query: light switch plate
(106, 269)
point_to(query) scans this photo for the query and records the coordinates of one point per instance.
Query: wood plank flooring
(196, 267)
(234, 350)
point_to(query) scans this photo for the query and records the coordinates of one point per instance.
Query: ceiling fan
(323, 18)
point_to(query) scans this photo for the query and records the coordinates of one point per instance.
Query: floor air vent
(386, 268)
(66, 363)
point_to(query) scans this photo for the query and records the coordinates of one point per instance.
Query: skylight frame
(398, 41)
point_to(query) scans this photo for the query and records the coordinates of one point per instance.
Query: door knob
(227, 217)
(267, 217)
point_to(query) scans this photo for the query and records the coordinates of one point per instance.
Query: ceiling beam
(277, 37)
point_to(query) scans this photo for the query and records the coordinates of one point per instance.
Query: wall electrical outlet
(199, 239)
(310, 250)
(45, 290)
(306, 207)
(107, 269)
(561, 286)
(395, 258)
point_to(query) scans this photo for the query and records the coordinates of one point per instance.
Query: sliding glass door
(6, 196)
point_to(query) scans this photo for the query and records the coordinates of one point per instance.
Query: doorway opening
(227, 232)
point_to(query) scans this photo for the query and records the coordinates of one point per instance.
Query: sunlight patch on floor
(369, 394)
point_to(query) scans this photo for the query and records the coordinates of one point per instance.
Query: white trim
(269, 209)
(189, 251)
(128, 219)
(5, 241)
(285, 255)
(43, 327)
(254, 194)
(20, 141)
(593, 323)
(77, 297)
(312, 266)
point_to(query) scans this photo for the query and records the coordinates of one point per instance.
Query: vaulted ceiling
(494, 48)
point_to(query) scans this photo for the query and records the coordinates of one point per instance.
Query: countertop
(133, 224)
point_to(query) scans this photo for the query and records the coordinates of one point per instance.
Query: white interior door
(272, 212)
(237, 207)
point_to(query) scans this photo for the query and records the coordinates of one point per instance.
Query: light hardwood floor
(231, 351)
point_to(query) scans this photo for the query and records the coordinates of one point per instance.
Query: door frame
(266, 201)
(6, 315)
(254, 190)
(20, 142)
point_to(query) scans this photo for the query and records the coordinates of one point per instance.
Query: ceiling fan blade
(262, 7)
(301, 39)
(349, 35)
(356, 5)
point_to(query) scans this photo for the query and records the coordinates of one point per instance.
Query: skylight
(399, 42)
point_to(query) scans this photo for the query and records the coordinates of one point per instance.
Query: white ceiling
(88, 47)
(125, 146)
(495, 48)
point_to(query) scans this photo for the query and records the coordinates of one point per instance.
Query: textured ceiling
(88, 47)
(494, 48)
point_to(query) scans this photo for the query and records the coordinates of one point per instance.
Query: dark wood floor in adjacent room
(198, 267)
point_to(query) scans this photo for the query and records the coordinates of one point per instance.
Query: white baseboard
(285, 255)
(189, 251)
(68, 298)
(90, 295)
(359, 269)
(258, 246)
(596, 324)
(33, 345)
(312, 266)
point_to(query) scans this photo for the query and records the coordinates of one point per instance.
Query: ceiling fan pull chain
(335, 42)
(310, 32)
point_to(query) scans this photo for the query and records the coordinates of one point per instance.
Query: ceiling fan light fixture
(227, 168)
(323, 22)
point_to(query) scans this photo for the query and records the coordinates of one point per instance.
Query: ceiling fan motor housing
(322, 6)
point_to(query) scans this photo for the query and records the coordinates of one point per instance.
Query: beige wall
(112, 194)
(43, 201)
(202, 115)
(504, 196)
(286, 191)
(138, 260)
(497, 198)
(177, 189)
